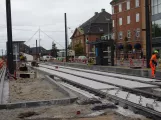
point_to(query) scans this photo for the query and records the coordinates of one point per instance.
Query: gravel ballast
(38, 89)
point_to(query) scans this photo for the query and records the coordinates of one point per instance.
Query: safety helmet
(155, 51)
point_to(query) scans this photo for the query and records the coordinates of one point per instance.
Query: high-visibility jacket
(153, 59)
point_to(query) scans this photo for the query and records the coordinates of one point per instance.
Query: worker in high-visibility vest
(153, 63)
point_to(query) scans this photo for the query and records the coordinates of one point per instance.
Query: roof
(96, 24)
(18, 41)
(102, 18)
(33, 50)
(114, 1)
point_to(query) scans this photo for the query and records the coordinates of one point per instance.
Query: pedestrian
(153, 63)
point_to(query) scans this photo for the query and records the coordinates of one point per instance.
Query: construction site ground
(68, 112)
(22, 90)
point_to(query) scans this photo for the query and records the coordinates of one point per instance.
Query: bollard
(15, 74)
(78, 112)
(143, 62)
(56, 67)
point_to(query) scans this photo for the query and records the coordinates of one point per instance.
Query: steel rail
(131, 79)
(131, 90)
(137, 108)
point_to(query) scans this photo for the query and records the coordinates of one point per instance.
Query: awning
(120, 47)
(129, 46)
(137, 46)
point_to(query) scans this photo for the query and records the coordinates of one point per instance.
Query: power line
(18, 29)
(54, 31)
(51, 38)
(28, 29)
(32, 36)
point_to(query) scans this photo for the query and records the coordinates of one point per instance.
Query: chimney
(103, 10)
(96, 13)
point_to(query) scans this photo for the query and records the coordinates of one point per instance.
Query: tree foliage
(126, 48)
(78, 49)
(54, 50)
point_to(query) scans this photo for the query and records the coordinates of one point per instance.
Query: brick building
(98, 25)
(129, 27)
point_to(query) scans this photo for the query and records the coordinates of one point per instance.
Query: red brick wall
(91, 38)
(78, 38)
(125, 27)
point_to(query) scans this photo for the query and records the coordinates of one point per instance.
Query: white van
(47, 58)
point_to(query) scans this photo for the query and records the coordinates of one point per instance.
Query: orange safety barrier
(131, 62)
(1, 63)
(143, 62)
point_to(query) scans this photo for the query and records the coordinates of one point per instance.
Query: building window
(128, 34)
(156, 28)
(120, 21)
(81, 41)
(156, 6)
(136, 3)
(113, 36)
(120, 7)
(159, 8)
(113, 23)
(137, 17)
(128, 5)
(113, 11)
(138, 32)
(120, 36)
(128, 19)
(101, 29)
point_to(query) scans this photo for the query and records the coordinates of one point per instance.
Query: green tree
(126, 49)
(78, 49)
(54, 50)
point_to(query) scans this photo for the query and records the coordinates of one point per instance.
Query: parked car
(46, 58)
(82, 58)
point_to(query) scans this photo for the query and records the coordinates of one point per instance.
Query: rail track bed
(121, 91)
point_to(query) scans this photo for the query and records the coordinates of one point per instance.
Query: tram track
(131, 90)
(137, 79)
(122, 95)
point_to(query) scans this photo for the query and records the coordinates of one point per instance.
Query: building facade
(156, 24)
(92, 29)
(128, 18)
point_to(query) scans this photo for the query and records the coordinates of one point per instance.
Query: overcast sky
(28, 15)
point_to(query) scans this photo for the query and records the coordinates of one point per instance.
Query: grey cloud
(49, 14)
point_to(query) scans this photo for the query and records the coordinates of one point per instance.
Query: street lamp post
(148, 41)
(66, 36)
(16, 53)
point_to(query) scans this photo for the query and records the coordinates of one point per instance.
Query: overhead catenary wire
(51, 38)
(32, 36)
(29, 29)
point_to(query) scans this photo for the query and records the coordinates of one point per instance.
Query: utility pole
(2, 53)
(36, 49)
(39, 41)
(66, 37)
(9, 35)
(148, 40)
